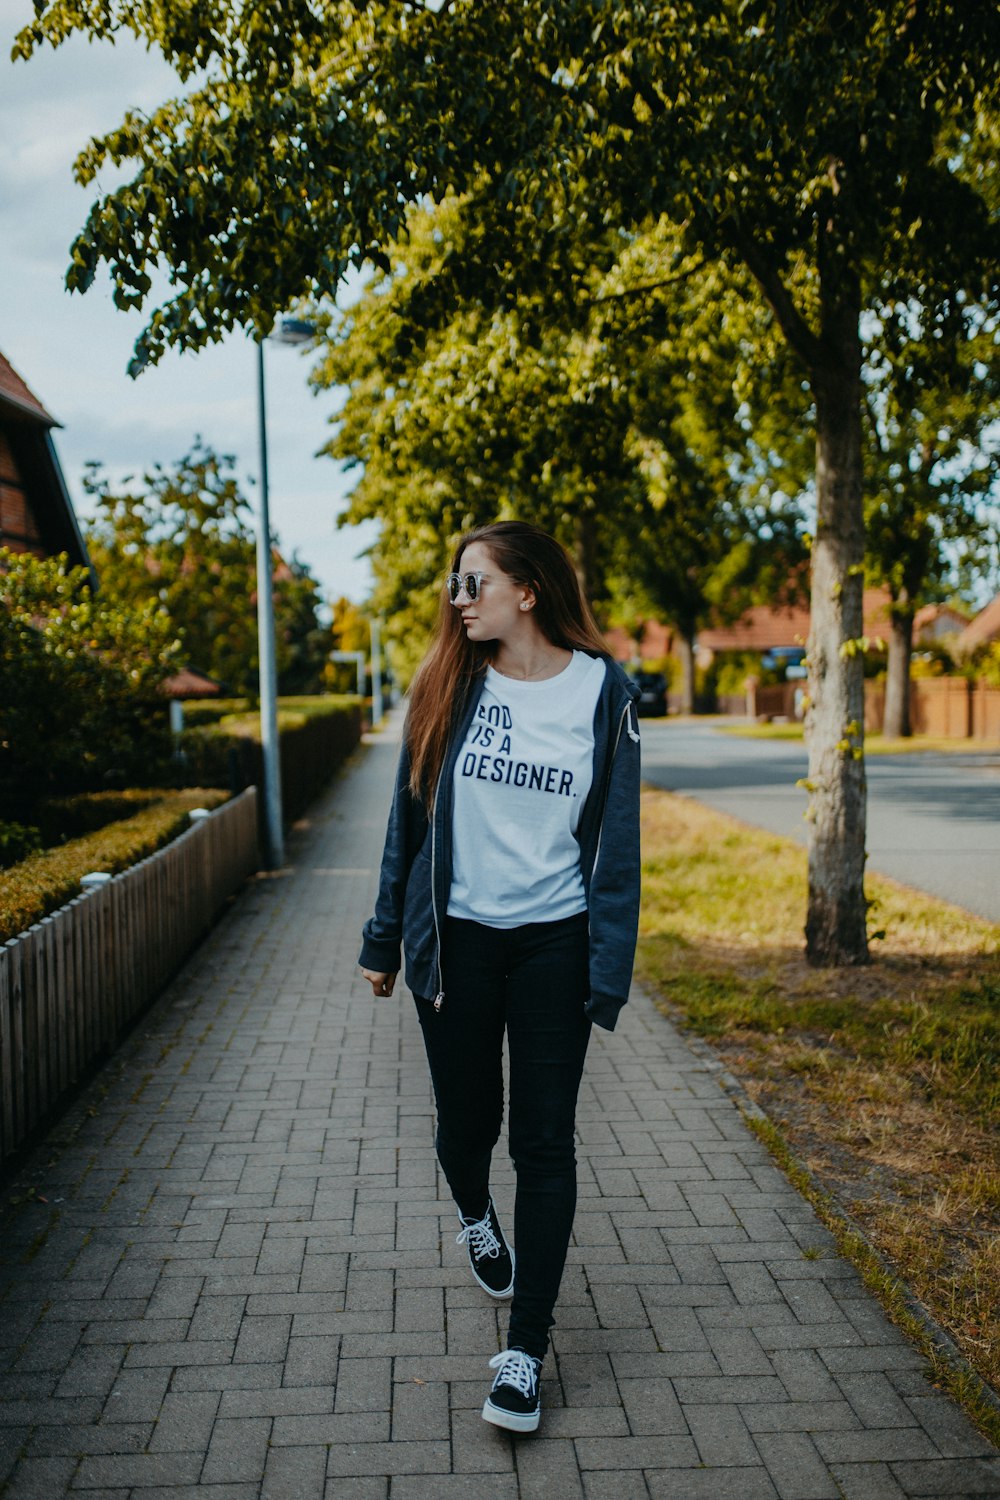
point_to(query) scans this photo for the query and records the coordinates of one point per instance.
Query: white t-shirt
(521, 780)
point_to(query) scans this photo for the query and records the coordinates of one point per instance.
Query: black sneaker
(490, 1256)
(514, 1402)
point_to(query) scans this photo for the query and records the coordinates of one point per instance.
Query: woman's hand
(381, 983)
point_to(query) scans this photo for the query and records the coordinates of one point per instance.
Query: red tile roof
(985, 627)
(14, 392)
(190, 683)
(761, 627)
(929, 614)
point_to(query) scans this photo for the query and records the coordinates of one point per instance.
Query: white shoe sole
(512, 1420)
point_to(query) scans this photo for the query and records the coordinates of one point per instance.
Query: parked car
(653, 689)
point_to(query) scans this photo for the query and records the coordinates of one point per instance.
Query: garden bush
(46, 880)
(17, 841)
(317, 734)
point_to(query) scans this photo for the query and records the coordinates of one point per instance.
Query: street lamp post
(376, 649)
(292, 331)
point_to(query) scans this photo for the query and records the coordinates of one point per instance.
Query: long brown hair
(528, 556)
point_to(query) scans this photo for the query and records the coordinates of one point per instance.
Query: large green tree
(829, 149)
(627, 426)
(181, 536)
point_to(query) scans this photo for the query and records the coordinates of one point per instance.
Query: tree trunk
(685, 646)
(585, 554)
(835, 921)
(896, 720)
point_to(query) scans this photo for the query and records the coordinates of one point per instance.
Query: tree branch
(647, 286)
(807, 345)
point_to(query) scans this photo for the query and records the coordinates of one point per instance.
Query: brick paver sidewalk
(240, 1279)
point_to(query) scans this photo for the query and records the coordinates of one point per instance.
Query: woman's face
(497, 614)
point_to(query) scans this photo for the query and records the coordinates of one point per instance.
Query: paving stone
(651, 1406)
(140, 1471)
(866, 1481)
(713, 1484)
(70, 1438)
(294, 1473)
(40, 1479)
(637, 1453)
(548, 1470)
(948, 1429)
(443, 1487)
(227, 1378)
(825, 1417)
(938, 1477)
(185, 1422)
(627, 1484)
(795, 1467)
(248, 1491)
(871, 1446)
(721, 1437)
(13, 1447)
(874, 1400)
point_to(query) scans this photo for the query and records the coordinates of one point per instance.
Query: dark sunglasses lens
(456, 582)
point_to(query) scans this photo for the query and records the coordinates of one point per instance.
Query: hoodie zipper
(633, 735)
(439, 997)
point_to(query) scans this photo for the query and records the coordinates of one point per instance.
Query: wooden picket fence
(73, 983)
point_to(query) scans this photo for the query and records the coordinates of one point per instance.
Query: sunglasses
(472, 583)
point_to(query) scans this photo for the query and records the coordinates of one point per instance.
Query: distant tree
(181, 537)
(349, 631)
(930, 502)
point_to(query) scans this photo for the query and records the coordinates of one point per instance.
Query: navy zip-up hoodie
(416, 863)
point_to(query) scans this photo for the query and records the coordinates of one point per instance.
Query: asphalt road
(933, 820)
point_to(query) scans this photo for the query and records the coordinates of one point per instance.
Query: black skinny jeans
(533, 981)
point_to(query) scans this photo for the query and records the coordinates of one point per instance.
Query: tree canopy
(629, 429)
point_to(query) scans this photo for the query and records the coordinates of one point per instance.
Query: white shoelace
(480, 1238)
(517, 1369)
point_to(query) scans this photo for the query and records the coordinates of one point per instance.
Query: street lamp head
(293, 331)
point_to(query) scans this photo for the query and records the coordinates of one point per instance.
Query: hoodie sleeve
(615, 883)
(383, 933)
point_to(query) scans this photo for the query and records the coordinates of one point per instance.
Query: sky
(73, 350)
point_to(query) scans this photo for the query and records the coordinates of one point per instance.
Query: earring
(525, 606)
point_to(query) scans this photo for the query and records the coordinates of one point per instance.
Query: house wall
(18, 530)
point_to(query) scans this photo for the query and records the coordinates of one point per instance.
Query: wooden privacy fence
(74, 982)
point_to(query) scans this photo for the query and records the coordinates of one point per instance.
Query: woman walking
(511, 878)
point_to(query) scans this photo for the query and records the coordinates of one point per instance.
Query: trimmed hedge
(44, 882)
(63, 818)
(317, 734)
(201, 711)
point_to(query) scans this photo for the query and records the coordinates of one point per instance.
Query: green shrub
(317, 734)
(80, 706)
(201, 711)
(17, 841)
(62, 818)
(43, 882)
(732, 668)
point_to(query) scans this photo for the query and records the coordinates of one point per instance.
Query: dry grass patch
(885, 1080)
